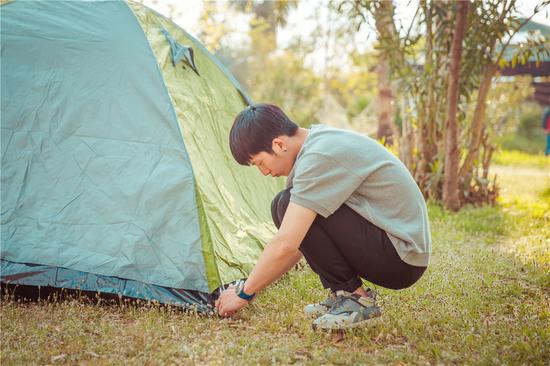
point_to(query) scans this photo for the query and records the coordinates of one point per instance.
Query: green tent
(116, 172)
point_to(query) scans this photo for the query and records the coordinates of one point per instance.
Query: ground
(485, 299)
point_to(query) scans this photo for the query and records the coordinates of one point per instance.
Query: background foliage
(399, 83)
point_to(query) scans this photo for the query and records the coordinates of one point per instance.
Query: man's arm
(280, 255)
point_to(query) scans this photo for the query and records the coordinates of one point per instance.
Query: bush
(528, 136)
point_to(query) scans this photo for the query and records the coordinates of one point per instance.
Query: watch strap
(243, 295)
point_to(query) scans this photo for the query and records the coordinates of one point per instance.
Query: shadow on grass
(53, 295)
(485, 296)
(485, 223)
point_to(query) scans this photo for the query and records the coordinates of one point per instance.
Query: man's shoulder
(335, 142)
(319, 130)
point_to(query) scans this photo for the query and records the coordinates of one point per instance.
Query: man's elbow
(286, 247)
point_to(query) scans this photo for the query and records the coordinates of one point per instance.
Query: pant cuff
(348, 286)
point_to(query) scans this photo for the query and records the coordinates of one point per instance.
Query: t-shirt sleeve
(322, 184)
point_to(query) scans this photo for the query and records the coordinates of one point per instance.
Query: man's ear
(278, 145)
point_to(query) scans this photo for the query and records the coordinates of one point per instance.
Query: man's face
(274, 164)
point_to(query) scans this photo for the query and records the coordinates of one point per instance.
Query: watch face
(239, 289)
(239, 286)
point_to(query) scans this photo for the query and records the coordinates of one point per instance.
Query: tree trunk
(385, 104)
(452, 152)
(426, 116)
(478, 121)
(383, 16)
(406, 141)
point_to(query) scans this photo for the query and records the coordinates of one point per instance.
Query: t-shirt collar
(291, 174)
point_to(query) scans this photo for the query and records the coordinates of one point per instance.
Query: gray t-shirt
(336, 167)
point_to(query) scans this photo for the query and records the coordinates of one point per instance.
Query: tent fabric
(115, 159)
(83, 166)
(55, 277)
(234, 200)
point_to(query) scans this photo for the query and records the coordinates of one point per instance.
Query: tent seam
(247, 99)
(175, 117)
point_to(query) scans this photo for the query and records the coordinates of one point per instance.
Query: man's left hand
(229, 303)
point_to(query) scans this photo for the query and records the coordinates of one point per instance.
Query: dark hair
(255, 128)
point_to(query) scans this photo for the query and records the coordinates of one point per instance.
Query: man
(350, 208)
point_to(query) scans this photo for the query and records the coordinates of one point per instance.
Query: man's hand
(279, 255)
(229, 303)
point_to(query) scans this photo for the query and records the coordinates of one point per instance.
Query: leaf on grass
(58, 357)
(337, 337)
(302, 355)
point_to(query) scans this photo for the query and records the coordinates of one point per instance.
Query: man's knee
(279, 206)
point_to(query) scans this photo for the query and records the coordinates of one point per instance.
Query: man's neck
(297, 141)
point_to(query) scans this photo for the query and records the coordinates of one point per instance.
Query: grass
(485, 299)
(532, 141)
(519, 158)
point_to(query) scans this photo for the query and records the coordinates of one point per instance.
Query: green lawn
(485, 299)
(521, 159)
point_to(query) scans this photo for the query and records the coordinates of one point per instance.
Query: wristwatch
(239, 289)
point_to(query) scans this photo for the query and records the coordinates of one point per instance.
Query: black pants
(346, 246)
